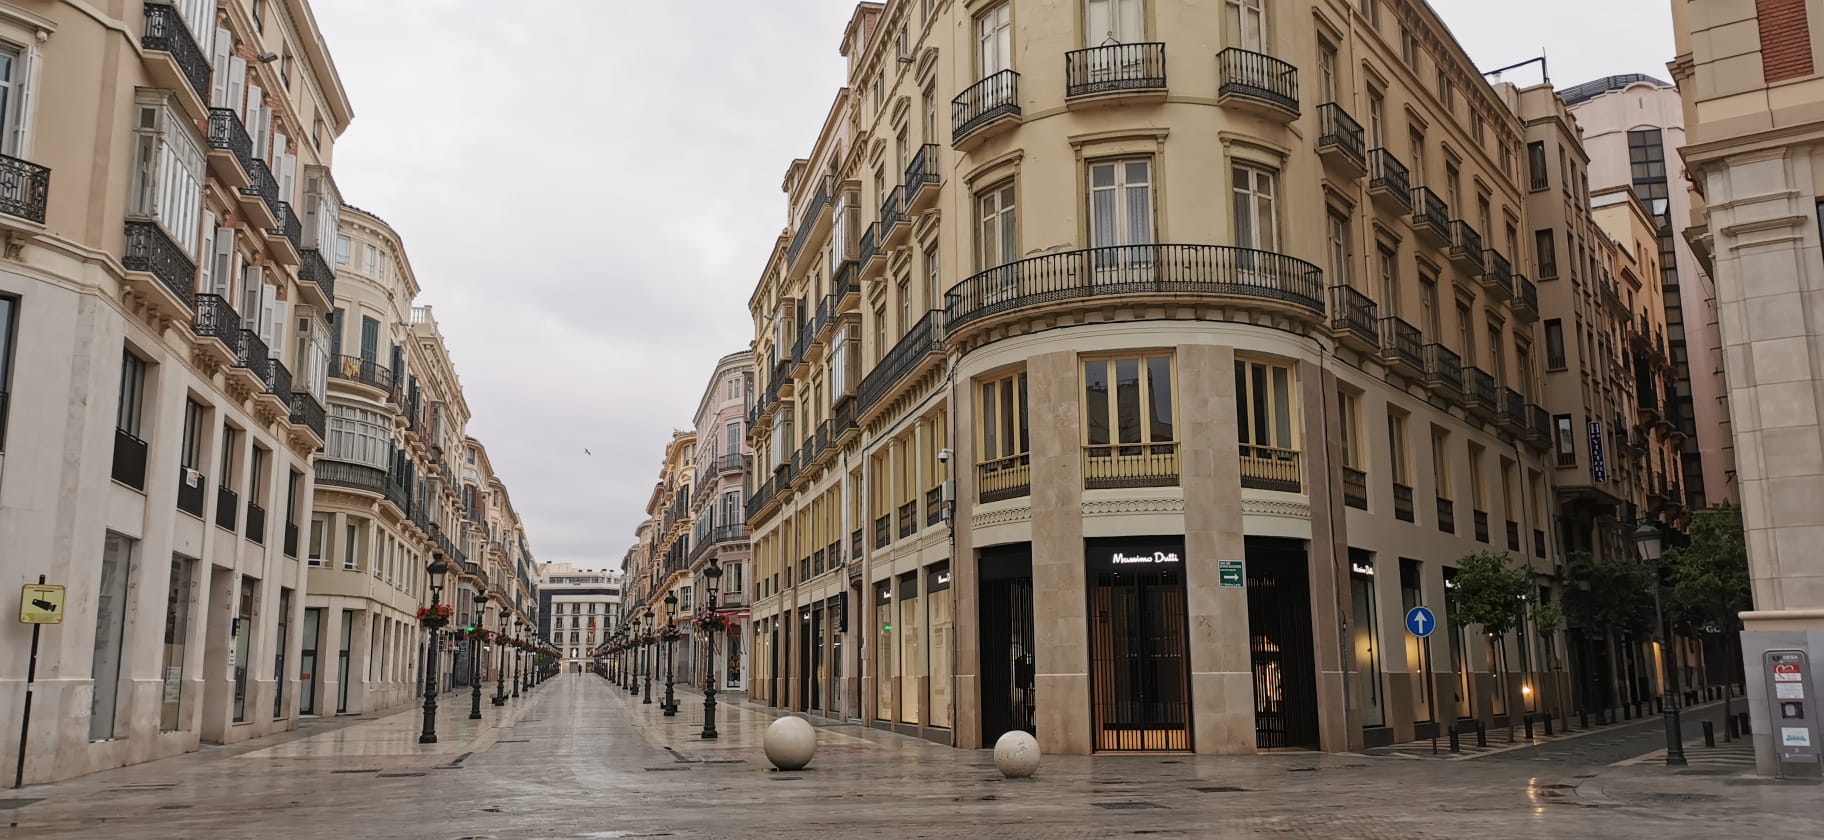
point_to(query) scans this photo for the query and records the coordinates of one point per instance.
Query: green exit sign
(1229, 574)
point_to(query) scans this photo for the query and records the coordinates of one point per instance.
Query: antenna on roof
(1547, 77)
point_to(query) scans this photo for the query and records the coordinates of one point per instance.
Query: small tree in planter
(1492, 593)
(1710, 584)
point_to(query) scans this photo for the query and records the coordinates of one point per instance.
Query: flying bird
(588, 453)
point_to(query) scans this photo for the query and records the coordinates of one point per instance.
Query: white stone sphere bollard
(1017, 754)
(790, 742)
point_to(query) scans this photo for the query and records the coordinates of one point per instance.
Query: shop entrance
(1279, 635)
(1139, 662)
(1008, 701)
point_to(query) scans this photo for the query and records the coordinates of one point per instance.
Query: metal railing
(1270, 468)
(216, 319)
(1136, 269)
(731, 463)
(802, 236)
(1465, 242)
(1355, 488)
(1257, 75)
(1004, 478)
(1513, 409)
(312, 268)
(129, 460)
(190, 495)
(925, 338)
(1386, 172)
(291, 539)
(1443, 367)
(278, 379)
(333, 473)
(1402, 342)
(148, 249)
(229, 134)
(1447, 516)
(1479, 387)
(365, 371)
(227, 507)
(307, 412)
(922, 171)
(869, 249)
(1352, 311)
(288, 227)
(1497, 273)
(256, 524)
(993, 97)
(1402, 502)
(1428, 210)
(1108, 466)
(25, 188)
(1114, 67)
(166, 33)
(892, 212)
(1337, 130)
(1527, 295)
(264, 186)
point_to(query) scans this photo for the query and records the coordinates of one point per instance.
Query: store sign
(1599, 467)
(1123, 559)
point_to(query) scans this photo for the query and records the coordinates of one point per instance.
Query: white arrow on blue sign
(1420, 622)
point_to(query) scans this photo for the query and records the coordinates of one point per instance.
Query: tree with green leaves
(1491, 590)
(1607, 597)
(1709, 577)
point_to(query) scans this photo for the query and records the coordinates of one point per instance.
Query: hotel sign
(1599, 467)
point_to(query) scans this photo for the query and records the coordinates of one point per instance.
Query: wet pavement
(578, 758)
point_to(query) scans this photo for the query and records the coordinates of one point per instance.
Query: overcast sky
(587, 192)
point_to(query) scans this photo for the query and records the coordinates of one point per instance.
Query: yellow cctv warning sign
(41, 603)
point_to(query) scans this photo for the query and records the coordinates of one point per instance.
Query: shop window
(1363, 633)
(1129, 422)
(1267, 408)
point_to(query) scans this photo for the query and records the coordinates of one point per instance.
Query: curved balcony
(985, 107)
(1114, 71)
(1222, 273)
(1258, 82)
(350, 476)
(362, 372)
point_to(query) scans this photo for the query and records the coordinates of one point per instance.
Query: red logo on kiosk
(1786, 672)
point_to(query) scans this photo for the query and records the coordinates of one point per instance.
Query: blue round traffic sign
(1420, 622)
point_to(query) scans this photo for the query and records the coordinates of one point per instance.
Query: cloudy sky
(587, 188)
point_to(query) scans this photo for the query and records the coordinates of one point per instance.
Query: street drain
(786, 778)
(664, 769)
(172, 807)
(514, 741)
(1220, 789)
(725, 761)
(1126, 806)
(491, 810)
(1301, 769)
(369, 770)
(399, 775)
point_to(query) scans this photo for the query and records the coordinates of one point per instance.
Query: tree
(1489, 592)
(1608, 594)
(1710, 584)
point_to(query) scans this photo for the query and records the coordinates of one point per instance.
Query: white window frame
(168, 170)
(1256, 194)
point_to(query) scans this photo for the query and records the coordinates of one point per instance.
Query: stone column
(1328, 560)
(1059, 604)
(965, 582)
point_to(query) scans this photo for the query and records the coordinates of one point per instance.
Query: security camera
(943, 455)
(268, 58)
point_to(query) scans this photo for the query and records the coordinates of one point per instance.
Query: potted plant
(435, 616)
(709, 622)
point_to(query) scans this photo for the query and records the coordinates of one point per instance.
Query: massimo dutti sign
(1134, 554)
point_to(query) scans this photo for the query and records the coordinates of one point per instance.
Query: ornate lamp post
(1648, 539)
(433, 621)
(671, 623)
(519, 633)
(634, 652)
(712, 575)
(650, 657)
(500, 675)
(481, 605)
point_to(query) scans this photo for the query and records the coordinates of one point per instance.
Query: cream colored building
(719, 523)
(579, 608)
(1748, 75)
(164, 296)
(1021, 375)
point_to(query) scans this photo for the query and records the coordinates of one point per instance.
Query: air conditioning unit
(193, 478)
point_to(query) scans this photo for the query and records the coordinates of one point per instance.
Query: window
(316, 133)
(285, 70)
(1326, 70)
(930, 116)
(1001, 418)
(359, 436)
(258, 10)
(1535, 165)
(1477, 132)
(1114, 21)
(1349, 421)
(1565, 443)
(1477, 491)
(7, 306)
(1363, 633)
(370, 338)
(1428, 305)
(1440, 462)
(880, 332)
(933, 297)
(994, 40)
(318, 528)
(1397, 449)
(168, 171)
(132, 394)
(997, 237)
(1545, 247)
(1128, 400)
(1371, 9)
(1646, 155)
(1466, 335)
(351, 547)
(1387, 262)
(342, 250)
(1247, 21)
(1484, 220)
(1409, 49)
(1447, 92)
(370, 258)
(1554, 344)
(1120, 205)
(12, 99)
(1377, 118)
(1264, 399)
(1339, 247)
(1453, 183)
(1256, 224)
(1415, 143)
(905, 305)
(1496, 357)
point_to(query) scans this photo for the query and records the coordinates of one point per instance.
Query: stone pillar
(965, 582)
(1059, 603)
(1328, 560)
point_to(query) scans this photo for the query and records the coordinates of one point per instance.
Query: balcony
(252, 360)
(811, 222)
(1389, 184)
(1169, 273)
(278, 386)
(895, 226)
(217, 321)
(1355, 488)
(921, 346)
(1352, 319)
(1402, 503)
(1430, 217)
(1513, 412)
(285, 236)
(984, 109)
(845, 286)
(1479, 393)
(1497, 275)
(230, 148)
(158, 271)
(227, 508)
(1267, 468)
(190, 495)
(1114, 73)
(908, 519)
(1539, 427)
(316, 277)
(363, 372)
(1402, 347)
(174, 59)
(1481, 520)
(873, 257)
(1447, 516)
(1465, 247)
(260, 198)
(922, 180)
(728, 464)
(255, 532)
(307, 412)
(129, 465)
(1339, 140)
(1258, 83)
(1444, 373)
(842, 422)
(1114, 466)
(348, 476)
(1526, 299)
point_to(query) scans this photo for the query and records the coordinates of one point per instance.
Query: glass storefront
(177, 630)
(911, 647)
(943, 644)
(1418, 654)
(307, 661)
(243, 646)
(1458, 665)
(1138, 629)
(278, 655)
(884, 646)
(110, 625)
(1362, 630)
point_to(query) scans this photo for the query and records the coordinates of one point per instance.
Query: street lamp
(634, 652)
(500, 675)
(519, 632)
(481, 606)
(671, 623)
(433, 621)
(650, 657)
(1647, 537)
(712, 575)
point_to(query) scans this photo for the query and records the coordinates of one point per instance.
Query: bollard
(1730, 732)
(1434, 745)
(1529, 727)
(1746, 729)
(1548, 726)
(1709, 734)
(1455, 746)
(1583, 718)
(1481, 734)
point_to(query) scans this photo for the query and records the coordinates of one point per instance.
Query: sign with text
(41, 603)
(1795, 724)
(1231, 574)
(1139, 555)
(1599, 465)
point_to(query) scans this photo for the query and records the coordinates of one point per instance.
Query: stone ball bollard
(1016, 754)
(790, 742)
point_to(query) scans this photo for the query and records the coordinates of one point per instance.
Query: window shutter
(277, 345)
(223, 256)
(218, 79)
(208, 261)
(335, 335)
(255, 108)
(237, 87)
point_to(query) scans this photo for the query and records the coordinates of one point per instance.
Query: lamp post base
(1675, 738)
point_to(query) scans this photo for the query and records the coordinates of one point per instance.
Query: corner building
(1132, 401)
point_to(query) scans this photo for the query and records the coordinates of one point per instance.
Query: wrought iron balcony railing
(227, 508)
(996, 96)
(921, 172)
(1402, 502)
(364, 371)
(288, 225)
(216, 319)
(351, 476)
(1136, 269)
(307, 412)
(166, 33)
(924, 339)
(1443, 368)
(312, 268)
(278, 379)
(264, 186)
(1402, 343)
(1004, 478)
(1258, 76)
(1130, 465)
(1430, 213)
(1268, 468)
(1465, 242)
(228, 133)
(151, 251)
(1114, 67)
(892, 212)
(1352, 312)
(1337, 130)
(25, 188)
(129, 466)
(1355, 488)
(1388, 176)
